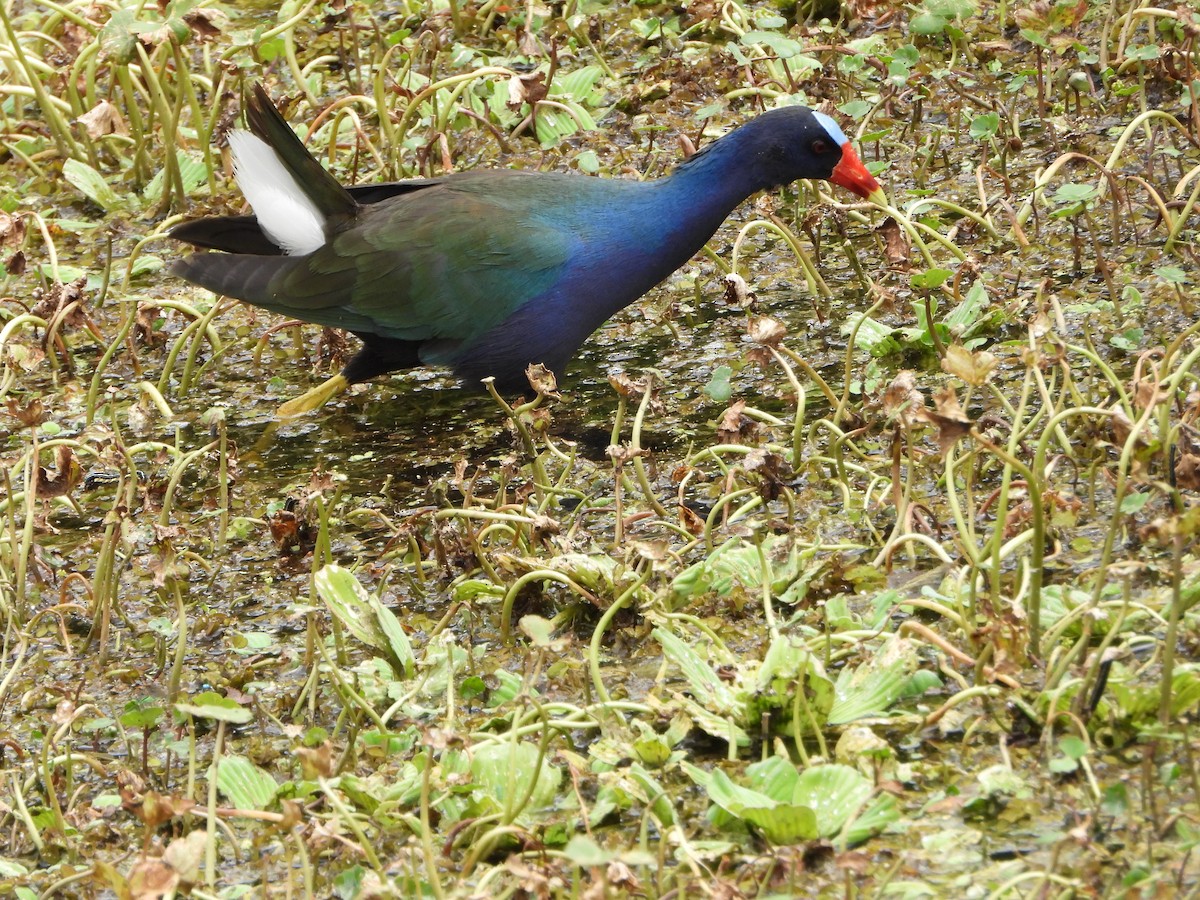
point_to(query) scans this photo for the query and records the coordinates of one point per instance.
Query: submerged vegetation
(858, 559)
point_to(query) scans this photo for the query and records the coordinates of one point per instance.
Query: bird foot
(314, 399)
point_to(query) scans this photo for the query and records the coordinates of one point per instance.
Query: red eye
(819, 147)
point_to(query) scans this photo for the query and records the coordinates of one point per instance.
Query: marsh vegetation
(858, 559)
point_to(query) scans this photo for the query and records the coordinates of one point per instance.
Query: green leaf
(75, 226)
(210, 705)
(505, 772)
(780, 45)
(192, 172)
(1185, 690)
(1133, 503)
(718, 387)
(588, 162)
(245, 784)
(1001, 781)
(926, 24)
(740, 563)
(365, 616)
(1073, 747)
(1115, 800)
(768, 20)
(775, 777)
(139, 716)
(1035, 37)
(930, 279)
(145, 264)
(784, 823)
(837, 794)
(470, 588)
(872, 335)
(586, 853)
(91, 184)
(952, 9)
(985, 126)
(855, 109)
(555, 124)
(508, 688)
(709, 690)
(349, 882)
(790, 806)
(871, 688)
(117, 40)
(658, 800)
(788, 669)
(538, 629)
(1129, 340)
(1172, 274)
(1073, 198)
(1063, 765)
(968, 316)
(349, 602)
(579, 85)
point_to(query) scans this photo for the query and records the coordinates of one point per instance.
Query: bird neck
(690, 204)
(729, 169)
(703, 190)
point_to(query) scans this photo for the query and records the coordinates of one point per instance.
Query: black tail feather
(242, 276)
(233, 234)
(322, 188)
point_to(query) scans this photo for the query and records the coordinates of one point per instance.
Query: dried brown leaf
(333, 349)
(206, 24)
(321, 482)
(12, 231)
(285, 529)
(765, 331)
(949, 419)
(623, 453)
(1040, 326)
(30, 414)
(771, 468)
(152, 879)
(528, 43)
(737, 292)
(102, 119)
(1122, 427)
(528, 88)
(143, 325)
(1187, 465)
(316, 762)
(68, 473)
(690, 520)
(168, 532)
(165, 566)
(896, 246)
(1149, 392)
(184, 855)
(734, 427)
(52, 303)
(902, 398)
(153, 808)
(542, 381)
(975, 368)
(626, 386)
(761, 357)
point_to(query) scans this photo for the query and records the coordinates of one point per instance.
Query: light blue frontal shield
(832, 127)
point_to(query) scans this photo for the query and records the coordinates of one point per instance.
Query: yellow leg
(314, 399)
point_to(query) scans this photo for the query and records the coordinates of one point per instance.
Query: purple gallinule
(486, 271)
